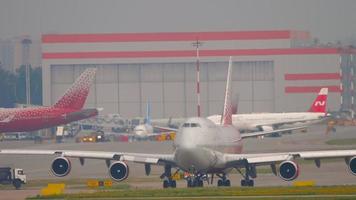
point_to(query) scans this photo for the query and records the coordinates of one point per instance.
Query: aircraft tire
(190, 183)
(165, 184)
(220, 183)
(227, 183)
(173, 184)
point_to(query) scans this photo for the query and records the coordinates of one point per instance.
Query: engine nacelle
(60, 166)
(352, 165)
(288, 170)
(118, 171)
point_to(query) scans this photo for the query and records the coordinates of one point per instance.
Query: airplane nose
(187, 139)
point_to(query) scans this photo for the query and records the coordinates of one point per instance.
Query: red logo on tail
(319, 104)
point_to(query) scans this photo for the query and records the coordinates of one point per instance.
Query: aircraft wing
(262, 133)
(158, 159)
(289, 122)
(161, 128)
(272, 158)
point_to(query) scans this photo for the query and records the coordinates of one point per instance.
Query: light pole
(26, 55)
(197, 44)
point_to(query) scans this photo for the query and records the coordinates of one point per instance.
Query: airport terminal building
(273, 71)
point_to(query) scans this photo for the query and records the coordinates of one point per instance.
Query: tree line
(13, 86)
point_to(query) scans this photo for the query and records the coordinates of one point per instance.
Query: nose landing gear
(167, 178)
(250, 171)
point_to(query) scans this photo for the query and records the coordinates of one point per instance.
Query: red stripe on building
(310, 89)
(171, 36)
(312, 76)
(205, 53)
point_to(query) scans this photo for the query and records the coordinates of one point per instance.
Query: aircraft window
(194, 125)
(191, 125)
(186, 125)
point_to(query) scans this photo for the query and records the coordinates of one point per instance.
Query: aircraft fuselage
(30, 119)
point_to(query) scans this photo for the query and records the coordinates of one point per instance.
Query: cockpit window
(186, 125)
(191, 125)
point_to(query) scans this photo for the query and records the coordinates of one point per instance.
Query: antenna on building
(197, 44)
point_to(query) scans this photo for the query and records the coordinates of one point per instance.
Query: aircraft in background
(202, 148)
(66, 110)
(273, 121)
(145, 130)
(141, 131)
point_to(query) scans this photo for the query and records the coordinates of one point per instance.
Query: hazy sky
(329, 20)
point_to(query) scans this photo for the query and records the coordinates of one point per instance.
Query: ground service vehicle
(93, 137)
(16, 176)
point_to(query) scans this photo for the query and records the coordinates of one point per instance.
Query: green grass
(70, 184)
(212, 192)
(346, 141)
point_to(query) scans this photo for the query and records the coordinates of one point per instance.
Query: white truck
(15, 176)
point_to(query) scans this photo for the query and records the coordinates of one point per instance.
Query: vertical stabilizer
(148, 113)
(75, 97)
(227, 113)
(319, 104)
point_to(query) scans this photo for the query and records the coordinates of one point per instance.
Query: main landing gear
(169, 183)
(250, 171)
(223, 181)
(195, 180)
(198, 180)
(167, 178)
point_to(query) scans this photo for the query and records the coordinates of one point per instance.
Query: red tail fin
(319, 104)
(75, 96)
(227, 114)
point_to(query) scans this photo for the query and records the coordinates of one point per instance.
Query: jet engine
(118, 171)
(352, 165)
(60, 166)
(288, 170)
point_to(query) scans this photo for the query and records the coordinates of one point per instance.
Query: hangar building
(274, 71)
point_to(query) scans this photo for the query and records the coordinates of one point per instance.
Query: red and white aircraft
(272, 121)
(66, 110)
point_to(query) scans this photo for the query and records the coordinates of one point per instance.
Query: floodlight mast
(197, 44)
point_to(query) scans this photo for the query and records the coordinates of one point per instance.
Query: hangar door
(258, 78)
(252, 86)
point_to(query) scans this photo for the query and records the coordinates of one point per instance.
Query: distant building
(273, 71)
(12, 53)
